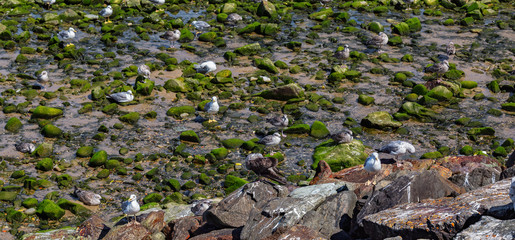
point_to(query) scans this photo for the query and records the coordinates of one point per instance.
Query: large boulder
(380, 120)
(131, 230)
(487, 228)
(233, 211)
(93, 228)
(266, 9)
(339, 156)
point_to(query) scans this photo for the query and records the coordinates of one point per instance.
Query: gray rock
(233, 211)
(174, 211)
(508, 172)
(476, 178)
(285, 212)
(331, 215)
(131, 230)
(488, 227)
(93, 228)
(413, 187)
(437, 218)
(511, 160)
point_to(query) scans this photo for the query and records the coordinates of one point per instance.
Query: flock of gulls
(263, 166)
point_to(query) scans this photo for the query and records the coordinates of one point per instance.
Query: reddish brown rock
(463, 164)
(222, 234)
(297, 232)
(153, 221)
(182, 228)
(323, 174)
(131, 230)
(93, 228)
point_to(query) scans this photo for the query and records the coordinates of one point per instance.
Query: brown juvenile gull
(172, 36)
(397, 148)
(439, 68)
(25, 147)
(144, 70)
(372, 165)
(200, 206)
(343, 54)
(264, 167)
(87, 197)
(279, 121)
(451, 49)
(344, 136)
(131, 206)
(378, 40)
(212, 107)
(121, 97)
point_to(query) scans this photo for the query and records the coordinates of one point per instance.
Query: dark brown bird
(264, 167)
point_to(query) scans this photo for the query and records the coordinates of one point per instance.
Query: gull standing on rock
(212, 107)
(343, 54)
(378, 40)
(67, 35)
(48, 3)
(144, 70)
(372, 165)
(264, 167)
(279, 121)
(397, 148)
(205, 67)
(157, 2)
(88, 198)
(172, 36)
(439, 68)
(106, 13)
(121, 97)
(200, 206)
(344, 136)
(451, 49)
(201, 26)
(42, 77)
(25, 147)
(131, 206)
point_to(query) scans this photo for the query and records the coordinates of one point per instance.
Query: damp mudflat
(159, 136)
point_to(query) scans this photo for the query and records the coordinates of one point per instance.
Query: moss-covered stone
(204, 179)
(220, 153)
(144, 88)
(14, 216)
(44, 150)
(46, 112)
(339, 156)
(8, 196)
(283, 93)
(153, 197)
(49, 210)
(189, 185)
(441, 93)
(29, 202)
(232, 183)
(431, 155)
(298, 129)
(401, 28)
(482, 131)
(365, 99)
(266, 9)
(508, 106)
(248, 50)
(85, 151)
(189, 136)
(98, 159)
(500, 152)
(75, 208)
(130, 118)
(418, 111)
(13, 125)
(51, 131)
(104, 173)
(266, 64)
(18, 174)
(321, 15)
(177, 112)
(232, 143)
(467, 150)
(380, 120)
(318, 130)
(468, 84)
(45, 164)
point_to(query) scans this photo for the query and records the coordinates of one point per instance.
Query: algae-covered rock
(468, 84)
(232, 143)
(508, 106)
(339, 156)
(418, 111)
(13, 125)
(228, 8)
(130, 118)
(298, 128)
(318, 130)
(44, 150)
(75, 208)
(46, 112)
(220, 153)
(414, 24)
(247, 50)
(321, 15)
(431, 155)
(375, 27)
(98, 159)
(482, 131)
(268, 29)
(30, 202)
(8, 196)
(467, 150)
(266, 9)
(85, 151)
(176, 112)
(232, 183)
(441, 93)
(45, 164)
(49, 210)
(266, 64)
(380, 120)
(176, 85)
(51, 131)
(153, 197)
(189, 136)
(283, 93)
(365, 99)
(145, 88)
(401, 28)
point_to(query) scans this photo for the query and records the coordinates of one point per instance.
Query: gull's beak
(74, 30)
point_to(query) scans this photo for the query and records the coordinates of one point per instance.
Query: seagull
(48, 3)
(201, 26)
(451, 49)
(378, 41)
(439, 68)
(42, 77)
(279, 121)
(106, 12)
(172, 36)
(87, 197)
(200, 206)
(212, 107)
(131, 206)
(343, 54)
(344, 136)
(67, 35)
(271, 140)
(121, 97)
(205, 67)
(25, 147)
(264, 167)
(512, 191)
(409, 2)
(157, 2)
(372, 165)
(144, 70)
(397, 148)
